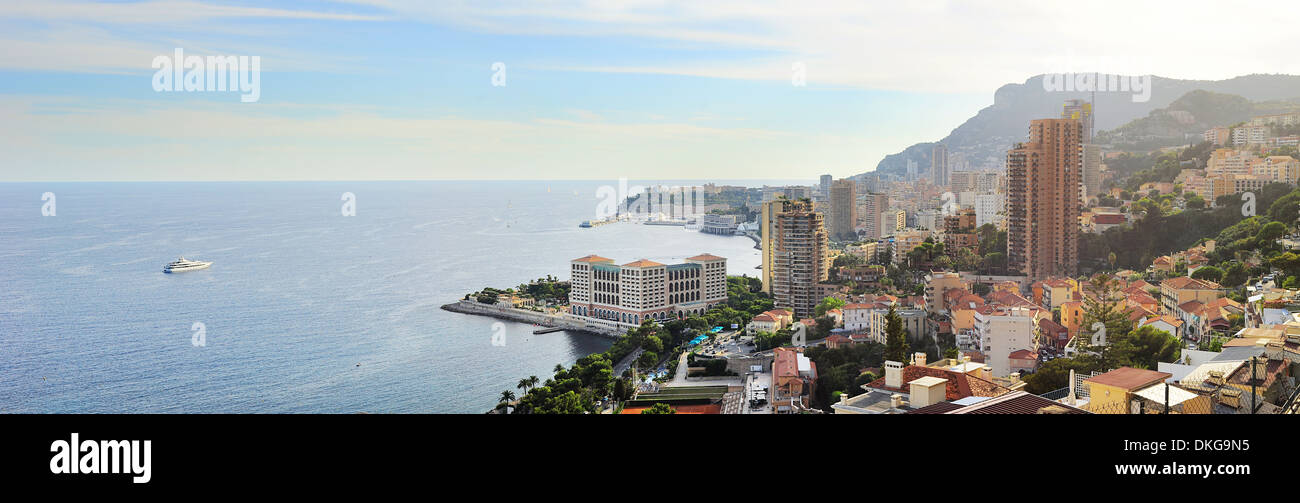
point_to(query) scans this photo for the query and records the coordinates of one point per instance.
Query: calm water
(298, 294)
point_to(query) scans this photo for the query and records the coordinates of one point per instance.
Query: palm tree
(1112, 258)
(559, 368)
(523, 385)
(532, 381)
(507, 396)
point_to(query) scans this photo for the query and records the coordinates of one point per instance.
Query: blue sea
(304, 310)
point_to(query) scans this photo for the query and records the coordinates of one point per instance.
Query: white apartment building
(1003, 331)
(988, 209)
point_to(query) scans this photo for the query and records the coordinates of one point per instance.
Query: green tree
(1209, 273)
(827, 304)
(1286, 208)
(1235, 275)
(896, 347)
(1270, 232)
(1055, 374)
(659, 408)
(1104, 307)
(1144, 348)
(507, 396)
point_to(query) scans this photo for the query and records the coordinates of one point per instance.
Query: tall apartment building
(1219, 136)
(1227, 161)
(1091, 178)
(1043, 192)
(988, 182)
(1284, 120)
(939, 169)
(795, 255)
(636, 291)
(798, 192)
(1249, 135)
(843, 216)
(959, 230)
(962, 181)
(1082, 111)
(825, 185)
(892, 221)
(1278, 168)
(873, 205)
(913, 171)
(928, 219)
(988, 208)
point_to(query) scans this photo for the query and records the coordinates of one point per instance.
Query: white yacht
(183, 265)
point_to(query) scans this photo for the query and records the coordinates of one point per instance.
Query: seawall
(547, 320)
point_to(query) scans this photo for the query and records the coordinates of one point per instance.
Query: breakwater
(565, 322)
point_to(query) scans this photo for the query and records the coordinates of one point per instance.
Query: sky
(565, 89)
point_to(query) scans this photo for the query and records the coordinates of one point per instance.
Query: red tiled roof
(959, 385)
(1142, 298)
(1023, 354)
(642, 263)
(1185, 283)
(1175, 322)
(786, 363)
(1108, 218)
(705, 257)
(593, 258)
(966, 300)
(1191, 306)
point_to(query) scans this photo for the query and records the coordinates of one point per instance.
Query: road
(627, 362)
(679, 379)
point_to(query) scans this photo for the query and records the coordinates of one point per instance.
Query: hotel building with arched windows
(629, 294)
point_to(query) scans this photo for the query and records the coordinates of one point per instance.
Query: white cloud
(921, 45)
(157, 12)
(126, 140)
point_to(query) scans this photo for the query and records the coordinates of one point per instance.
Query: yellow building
(1112, 392)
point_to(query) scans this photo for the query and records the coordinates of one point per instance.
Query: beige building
(795, 254)
(843, 216)
(1044, 189)
(1177, 291)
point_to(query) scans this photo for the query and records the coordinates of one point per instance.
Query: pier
(551, 323)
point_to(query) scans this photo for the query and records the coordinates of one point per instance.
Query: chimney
(893, 374)
(1230, 397)
(928, 390)
(844, 398)
(1014, 376)
(1072, 390)
(920, 359)
(1261, 368)
(896, 401)
(965, 358)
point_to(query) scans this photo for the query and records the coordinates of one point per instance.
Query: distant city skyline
(586, 90)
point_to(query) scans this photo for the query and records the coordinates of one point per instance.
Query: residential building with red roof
(1176, 291)
(793, 378)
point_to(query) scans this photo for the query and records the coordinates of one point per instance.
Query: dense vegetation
(1163, 230)
(577, 389)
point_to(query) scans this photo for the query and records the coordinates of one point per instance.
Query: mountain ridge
(984, 138)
